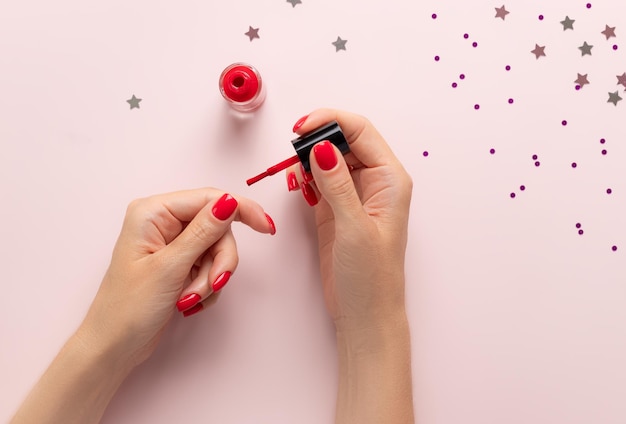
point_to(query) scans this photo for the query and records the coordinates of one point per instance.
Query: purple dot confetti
(602, 141)
(535, 157)
(425, 153)
(434, 16)
(466, 36)
(462, 76)
(507, 67)
(581, 232)
(577, 87)
(564, 122)
(492, 151)
(615, 47)
(541, 17)
(511, 101)
(614, 248)
(609, 191)
(437, 58)
(454, 85)
(476, 106)
(537, 163)
(588, 5)
(512, 195)
(522, 187)
(574, 165)
(604, 152)
(578, 225)
(474, 44)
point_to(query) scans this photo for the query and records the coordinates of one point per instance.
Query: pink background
(515, 317)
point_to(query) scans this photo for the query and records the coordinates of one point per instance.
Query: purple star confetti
(339, 44)
(501, 12)
(582, 80)
(252, 33)
(609, 32)
(539, 51)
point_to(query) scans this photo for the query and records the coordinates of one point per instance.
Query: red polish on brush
(242, 87)
(303, 145)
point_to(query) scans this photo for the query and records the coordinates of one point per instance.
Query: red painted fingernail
(272, 225)
(224, 207)
(221, 281)
(308, 177)
(300, 123)
(309, 194)
(325, 155)
(292, 181)
(193, 310)
(188, 301)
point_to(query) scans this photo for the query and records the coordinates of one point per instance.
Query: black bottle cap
(331, 132)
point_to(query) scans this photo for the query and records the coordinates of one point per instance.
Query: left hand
(169, 243)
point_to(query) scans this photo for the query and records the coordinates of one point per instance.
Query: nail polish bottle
(242, 87)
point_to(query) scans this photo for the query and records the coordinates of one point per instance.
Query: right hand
(361, 210)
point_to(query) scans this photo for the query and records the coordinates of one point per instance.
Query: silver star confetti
(253, 33)
(614, 98)
(134, 102)
(294, 2)
(582, 80)
(621, 79)
(539, 51)
(609, 32)
(568, 23)
(339, 44)
(501, 12)
(585, 49)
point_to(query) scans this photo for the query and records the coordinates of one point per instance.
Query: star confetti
(339, 44)
(609, 32)
(582, 80)
(134, 102)
(539, 51)
(621, 79)
(614, 98)
(585, 49)
(501, 12)
(568, 23)
(294, 2)
(253, 33)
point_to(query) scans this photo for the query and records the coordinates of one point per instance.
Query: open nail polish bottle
(242, 87)
(303, 145)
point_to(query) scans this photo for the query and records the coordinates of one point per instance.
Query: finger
(333, 179)
(217, 266)
(200, 306)
(293, 183)
(205, 229)
(366, 143)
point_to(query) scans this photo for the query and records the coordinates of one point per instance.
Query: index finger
(366, 143)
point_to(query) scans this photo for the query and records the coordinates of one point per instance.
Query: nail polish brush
(303, 145)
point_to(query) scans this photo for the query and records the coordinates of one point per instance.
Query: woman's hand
(174, 250)
(362, 209)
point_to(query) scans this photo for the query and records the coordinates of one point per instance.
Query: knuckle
(202, 230)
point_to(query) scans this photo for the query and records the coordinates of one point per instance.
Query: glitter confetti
(339, 44)
(501, 12)
(585, 49)
(614, 98)
(567, 23)
(134, 102)
(252, 33)
(539, 51)
(608, 32)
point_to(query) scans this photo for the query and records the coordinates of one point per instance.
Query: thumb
(204, 230)
(334, 182)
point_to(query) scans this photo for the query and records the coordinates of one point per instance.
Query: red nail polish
(308, 177)
(221, 281)
(309, 194)
(193, 310)
(272, 225)
(188, 301)
(242, 87)
(224, 207)
(325, 155)
(300, 123)
(292, 181)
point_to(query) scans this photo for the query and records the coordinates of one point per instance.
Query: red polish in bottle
(242, 87)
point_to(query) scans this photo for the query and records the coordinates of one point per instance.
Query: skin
(172, 245)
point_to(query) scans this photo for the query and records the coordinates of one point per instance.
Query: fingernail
(272, 225)
(188, 301)
(308, 177)
(224, 207)
(193, 310)
(221, 281)
(300, 123)
(309, 194)
(292, 181)
(325, 155)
